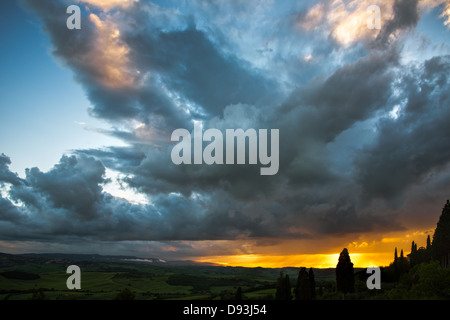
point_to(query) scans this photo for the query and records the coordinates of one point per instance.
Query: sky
(87, 116)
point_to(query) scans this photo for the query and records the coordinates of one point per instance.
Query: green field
(46, 279)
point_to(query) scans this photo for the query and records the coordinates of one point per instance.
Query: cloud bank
(363, 134)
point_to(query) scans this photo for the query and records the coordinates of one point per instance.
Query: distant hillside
(92, 257)
(15, 259)
(7, 260)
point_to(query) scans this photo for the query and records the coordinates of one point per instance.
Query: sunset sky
(86, 117)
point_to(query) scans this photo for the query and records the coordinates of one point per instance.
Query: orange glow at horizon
(360, 260)
(370, 250)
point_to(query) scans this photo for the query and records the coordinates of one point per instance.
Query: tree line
(305, 286)
(437, 249)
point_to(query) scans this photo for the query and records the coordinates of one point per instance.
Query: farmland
(24, 278)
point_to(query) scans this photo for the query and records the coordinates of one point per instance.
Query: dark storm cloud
(71, 188)
(186, 74)
(68, 201)
(5, 174)
(9, 212)
(123, 159)
(415, 144)
(318, 112)
(406, 16)
(309, 119)
(77, 49)
(190, 64)
(182, 60)
(73, 184)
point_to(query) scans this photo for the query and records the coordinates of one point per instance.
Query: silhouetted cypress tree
(299, 285)
(283, 288)
(301, 290)
(345, 278)
(305, 288)
(421, 255)
(413, 254)
(395, 265)
(312, 283)
(441, 238)
(279, 294)
(401, 264)
(287, 287)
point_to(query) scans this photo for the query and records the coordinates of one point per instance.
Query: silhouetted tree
(305, 288)
(283, 288)
(413, 247)
(312, 283)
(301, 290)
(413, 255)
(421, 255)
(287, 286)
(400, 264)
(441, 238)
(345, 278)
